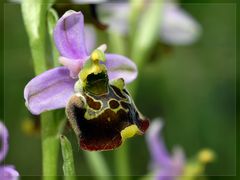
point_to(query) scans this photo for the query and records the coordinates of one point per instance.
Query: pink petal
(91, 39)
(48, 91)
(8, 173)
(74, 66)
(119, 66)
(69, 35)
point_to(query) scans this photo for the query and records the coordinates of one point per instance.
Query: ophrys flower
(52, 89)
(165, 166)
(175, 166)
(92, 86)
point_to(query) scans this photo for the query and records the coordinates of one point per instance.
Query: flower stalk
(34, 16)
(52, 18)
(50, 144)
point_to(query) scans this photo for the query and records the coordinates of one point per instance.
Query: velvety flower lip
(7, 172)
(164, 165)
(53, 88)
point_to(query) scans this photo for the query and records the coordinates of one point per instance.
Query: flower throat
(93, 77)
(97, 84)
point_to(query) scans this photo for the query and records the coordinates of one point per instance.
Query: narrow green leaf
(68, 161)
(52, 17)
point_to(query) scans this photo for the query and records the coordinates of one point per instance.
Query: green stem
(50, 145)
(98, 165)
(38, 54)
(34, 16)
(52, 20)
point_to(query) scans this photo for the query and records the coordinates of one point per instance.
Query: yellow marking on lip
(129, 132)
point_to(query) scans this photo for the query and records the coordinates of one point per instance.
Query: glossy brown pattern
(114, 104)
(99, 119)
(92, 103)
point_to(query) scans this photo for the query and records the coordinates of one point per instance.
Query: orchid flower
(171, 167)
(53, 88)
(7, 172)
(177, 27)
(165, 166)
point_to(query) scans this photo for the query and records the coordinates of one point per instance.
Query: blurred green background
(193, 88)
